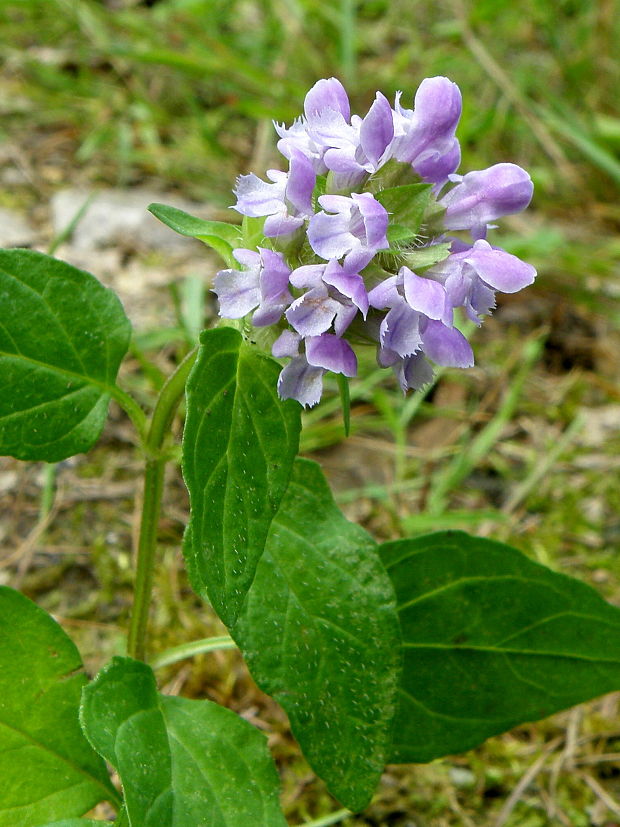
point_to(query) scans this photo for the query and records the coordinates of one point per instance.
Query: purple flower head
(331, 287)
(262, 286)
(286, 202)
(424, 137)
(485, 195)
(355, 225)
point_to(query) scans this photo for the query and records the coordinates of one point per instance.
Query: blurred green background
(179, 95)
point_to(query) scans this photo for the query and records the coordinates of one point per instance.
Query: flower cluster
(358, 241)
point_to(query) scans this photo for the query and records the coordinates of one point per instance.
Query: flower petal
(256, 197)
(280, 224)
(375, 220)
(327, 93)
(350, 285)
(329, 235)
(400, 330)
(377, 129)
(308, 275)
(237, 291)
(312, 313)
(427, 296)
(413, 372)
(499, 269)
(332, 353)
(301, 381)
(300, 183)
(287, 344)
(384, 294)
(487, 194)
(446, 346)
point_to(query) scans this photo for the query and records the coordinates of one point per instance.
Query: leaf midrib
(84, 378)
(494, 650)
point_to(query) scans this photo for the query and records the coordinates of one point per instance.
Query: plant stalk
(191, 649)
(156, 459)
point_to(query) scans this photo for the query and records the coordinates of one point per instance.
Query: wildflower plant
(403, 651)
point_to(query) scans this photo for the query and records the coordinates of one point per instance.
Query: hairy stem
(164, 412)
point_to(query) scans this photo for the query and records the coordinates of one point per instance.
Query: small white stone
(116, 217)
(15, 231)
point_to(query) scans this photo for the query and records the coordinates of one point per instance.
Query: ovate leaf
(219, 235)
(47, 767)
(490, 640)
(320, 633)
(238, 449)
(182, 763)
(62, 338)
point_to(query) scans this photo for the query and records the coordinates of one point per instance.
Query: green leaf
(406, 204)
(62, 338)
(252, 231)
(345, 398)
(239, 444)
(48, 769)
(320, 633)
(182, 763)
(490, 640)
(219, 235)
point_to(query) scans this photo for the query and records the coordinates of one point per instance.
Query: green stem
(194, 647)
(133, 411)
(165, 409)
(49, 489)
(325, 821)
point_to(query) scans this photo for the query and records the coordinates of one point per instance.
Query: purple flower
(418, 322)
(350, 148)
(335, 295)
(471, 277)
(353, 226)
(298, 379)
(286, 202)
(302, 377)
(359, 150)
(424, 137)
(325, 124)
(262, 285)
(484, 195)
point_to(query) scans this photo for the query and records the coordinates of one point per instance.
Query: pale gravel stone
(15, 231)
(119, 218)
